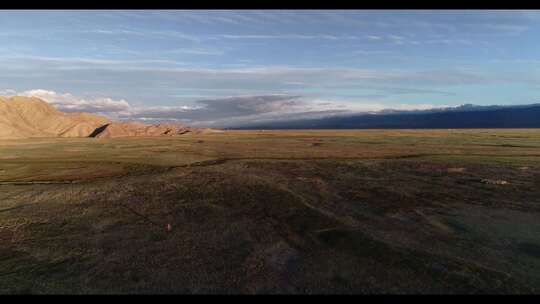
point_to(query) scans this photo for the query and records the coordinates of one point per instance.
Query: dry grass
(268, 212)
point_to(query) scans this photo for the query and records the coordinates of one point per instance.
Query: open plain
(326, 211)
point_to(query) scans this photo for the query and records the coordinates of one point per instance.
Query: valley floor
(326, 211)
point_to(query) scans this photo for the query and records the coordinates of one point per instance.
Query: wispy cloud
(252, 74)
(74, 63)
(155, 81)
(166, 57)
(291, 36)
(195, 51)
(374, 37)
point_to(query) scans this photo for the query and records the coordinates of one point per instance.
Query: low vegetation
(378, 211)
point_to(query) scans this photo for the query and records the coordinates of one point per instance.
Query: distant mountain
(24, 117)
(466, 116)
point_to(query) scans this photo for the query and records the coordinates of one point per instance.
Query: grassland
(327, 211)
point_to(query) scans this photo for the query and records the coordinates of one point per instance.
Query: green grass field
(326, 211)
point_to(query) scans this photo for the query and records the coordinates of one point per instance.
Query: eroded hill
(22, 117)
(26, 117)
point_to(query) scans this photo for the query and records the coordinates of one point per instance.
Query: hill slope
(24, 117)
(32, 117)
(138, 129)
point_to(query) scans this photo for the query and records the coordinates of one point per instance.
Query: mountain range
(465, 116)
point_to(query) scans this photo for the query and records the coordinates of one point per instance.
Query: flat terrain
(327, 211)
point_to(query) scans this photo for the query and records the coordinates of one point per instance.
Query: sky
(220, 68)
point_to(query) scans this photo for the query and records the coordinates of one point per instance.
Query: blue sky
(222, 67)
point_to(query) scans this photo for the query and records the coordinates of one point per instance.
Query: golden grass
(93, 157)
(326, 211)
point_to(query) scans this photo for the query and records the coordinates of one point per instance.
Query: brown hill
(139, 129)
(23, 117)
(32, 117)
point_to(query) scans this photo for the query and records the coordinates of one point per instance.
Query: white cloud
(8, 92)
(292, 36)
(235, 110)
(70, 103)
(195, 51)
(373, 37)
(144, 73)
